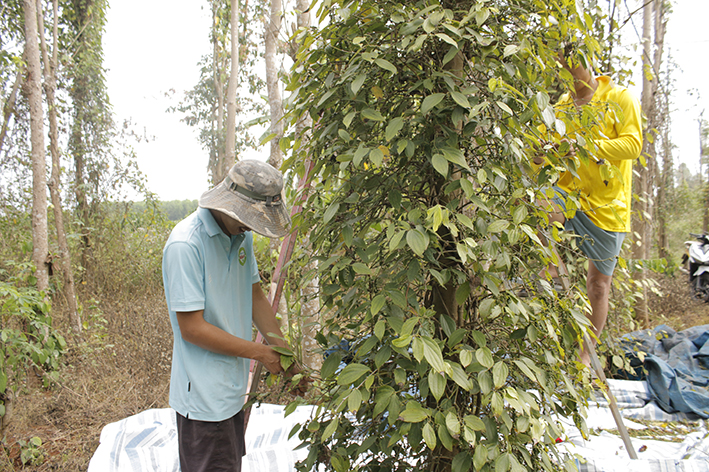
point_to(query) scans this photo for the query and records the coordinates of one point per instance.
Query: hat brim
(271, 220)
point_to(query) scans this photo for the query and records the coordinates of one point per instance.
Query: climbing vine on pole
(425, 115)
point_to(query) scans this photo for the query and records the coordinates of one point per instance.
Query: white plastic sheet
(147, 442)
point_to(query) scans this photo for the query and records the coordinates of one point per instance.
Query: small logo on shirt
(242, 256)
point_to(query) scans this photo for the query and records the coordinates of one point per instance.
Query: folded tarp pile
(677, 366)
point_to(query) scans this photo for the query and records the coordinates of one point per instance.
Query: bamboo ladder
(596, 363)
(278, 280)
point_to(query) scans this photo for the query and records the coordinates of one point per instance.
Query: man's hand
(299, 380)
(571, 147)
(566, 148)
(270, 359)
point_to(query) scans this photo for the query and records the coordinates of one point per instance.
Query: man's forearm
(265, 318)
(197, 331)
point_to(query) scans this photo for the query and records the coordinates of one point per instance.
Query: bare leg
(598, 287)
(556, 215)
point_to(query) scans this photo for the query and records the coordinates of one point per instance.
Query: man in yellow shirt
(603, 185)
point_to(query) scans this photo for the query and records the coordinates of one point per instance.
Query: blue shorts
(600, 246)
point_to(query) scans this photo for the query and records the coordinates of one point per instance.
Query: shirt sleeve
(184, 269)
(629, 141)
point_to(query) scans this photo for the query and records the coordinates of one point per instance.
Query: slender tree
(40, 250)
(272, 28)
(50, 68)
(218, 160)
(666, 184)
(703, 164)
(311, 321)
(205, 106)
(92, 123)
(644, 185)
(233, 84)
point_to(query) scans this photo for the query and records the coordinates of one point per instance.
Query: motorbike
(696, 260)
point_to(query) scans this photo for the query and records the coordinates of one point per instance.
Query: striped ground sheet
(147, 442)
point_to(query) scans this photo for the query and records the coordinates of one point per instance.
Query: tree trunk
(83, 107)
(311, 316)
(219, 165)
(272, 29)
(665, 189)
(443, 299)
(662, 114)
(705, 219)
(641, 212)
(9, 108)
(40, 249)
(55, 179)
(230, 131)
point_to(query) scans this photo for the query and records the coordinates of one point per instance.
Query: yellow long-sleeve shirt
(618, 137)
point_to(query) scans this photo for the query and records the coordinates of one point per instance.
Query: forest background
(85, 336)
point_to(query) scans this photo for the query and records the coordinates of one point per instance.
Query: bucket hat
(252, 194)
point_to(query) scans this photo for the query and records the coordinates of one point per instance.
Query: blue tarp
(676, 366)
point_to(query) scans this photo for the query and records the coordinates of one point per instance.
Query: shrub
(29, 340)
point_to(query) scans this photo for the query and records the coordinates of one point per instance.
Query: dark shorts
(208, 446)
(600, 246)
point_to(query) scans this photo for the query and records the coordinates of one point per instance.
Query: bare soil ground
(675, 306)
(123, 367)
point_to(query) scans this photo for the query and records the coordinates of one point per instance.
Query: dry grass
(119, 370)
(675, 307)
(124, 368)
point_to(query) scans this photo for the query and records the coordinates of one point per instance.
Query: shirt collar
(605, 83)
(210, 224)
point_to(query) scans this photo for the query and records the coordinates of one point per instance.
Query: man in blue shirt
(213, 294)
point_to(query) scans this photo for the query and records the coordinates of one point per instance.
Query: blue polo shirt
(204, 269)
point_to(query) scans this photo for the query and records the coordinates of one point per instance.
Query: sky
(687, 39)
(152, 48)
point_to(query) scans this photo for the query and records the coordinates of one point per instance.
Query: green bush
(28, 338)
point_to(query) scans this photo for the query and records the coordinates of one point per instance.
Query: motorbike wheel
(703, 288)
(695, 288)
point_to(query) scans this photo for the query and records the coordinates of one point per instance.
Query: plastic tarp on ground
(147, 442)
(677, 366)
(604, 451)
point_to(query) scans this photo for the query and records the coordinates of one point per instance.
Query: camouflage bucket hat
(251, 194)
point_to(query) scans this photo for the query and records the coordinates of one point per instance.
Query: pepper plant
(422, 216)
